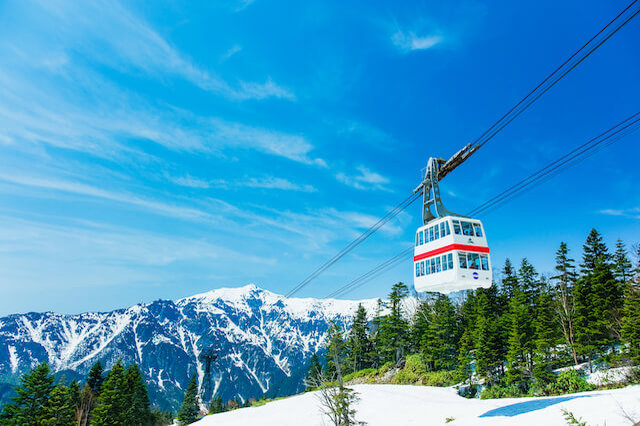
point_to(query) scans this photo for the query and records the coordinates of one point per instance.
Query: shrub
(366, 373)
(414, 369)
(501, 391)
(571, 381)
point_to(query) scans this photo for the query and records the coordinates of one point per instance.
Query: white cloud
(271, 182)
(409, 41)
(229, 53)
(364, 180)
(103, 114)
(266, 182)
(121, 40)
(633, 213)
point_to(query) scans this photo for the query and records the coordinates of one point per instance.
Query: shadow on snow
(528, 406)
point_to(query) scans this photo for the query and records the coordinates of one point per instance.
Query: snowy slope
(263, 341)
(391, 405)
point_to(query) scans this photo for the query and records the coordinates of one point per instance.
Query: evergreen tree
(112, 403)
(217, 406)
(374, 356)
(358, 343)
(621, 263)
(29, 407)
(440, 340)
(509, 279)
(565, 302)
(488, 336)
(335, 350)
(190, 410)
(594, 251)
(546, 336)
(95, 378)
(528, 280)
(314, 375)
(394, 328)
(520, 341)
(631, 319)
(61, 408)
(598, 298)
(139, 409)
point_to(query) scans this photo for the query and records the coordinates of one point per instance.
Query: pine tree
(394, 328)
(95, 378)
(528, 280)
(112, 403)
(621, 263)
(374, 356)
(358, 343)
(139, 409)
(335, 350)
(190, 410)
(520, 341)
(631, 319)
(565, 302)
(546, 336)
(314, 374)
(61, 408)
(598, 298)
(29, 407)
(509, 279)
(439, 343)
(488, 336)
(594, 251)
(217, 406)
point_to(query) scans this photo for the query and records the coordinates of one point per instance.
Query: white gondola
(451, 251)
(451, 254)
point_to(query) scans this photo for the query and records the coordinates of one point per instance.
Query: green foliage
(216, 406)
(501, 391)
(365, 373)
(358, 344)
(571, 419)
(570, 381)
(138, 411)
(190, 410)
(31, 405)
(95, 378)
(112, 403)
(393, 336)
(61, 409)
(631, 318)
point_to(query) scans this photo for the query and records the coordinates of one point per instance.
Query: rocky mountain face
(239, 342)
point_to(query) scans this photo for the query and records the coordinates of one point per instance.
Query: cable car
(451, 254)
(451, 251)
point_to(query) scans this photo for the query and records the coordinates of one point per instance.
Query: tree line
(514, 334)
(118, 397)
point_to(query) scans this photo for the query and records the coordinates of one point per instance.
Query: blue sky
(154, 150)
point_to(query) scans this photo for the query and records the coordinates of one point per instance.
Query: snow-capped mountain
(263, 342)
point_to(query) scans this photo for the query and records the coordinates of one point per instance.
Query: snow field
(400, 405)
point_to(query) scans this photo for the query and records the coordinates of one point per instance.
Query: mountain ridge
(263, 341)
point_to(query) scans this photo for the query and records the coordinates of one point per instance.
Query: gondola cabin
(451, 254)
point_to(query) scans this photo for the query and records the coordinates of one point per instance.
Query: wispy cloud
(229, 53)
(365, 179)
(408, 41)
(97, 123)
(266, 182)
(122, 40)
(633, 213)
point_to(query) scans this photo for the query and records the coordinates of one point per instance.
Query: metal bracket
(431, 192)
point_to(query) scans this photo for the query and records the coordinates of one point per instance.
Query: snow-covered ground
(383, 405)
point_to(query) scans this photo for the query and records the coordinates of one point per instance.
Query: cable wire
(548, 172)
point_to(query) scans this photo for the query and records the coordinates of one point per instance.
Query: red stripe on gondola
(463, 247)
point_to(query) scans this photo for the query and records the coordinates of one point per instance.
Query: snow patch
(13, 359)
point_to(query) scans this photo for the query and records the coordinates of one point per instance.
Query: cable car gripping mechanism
(438, 168)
